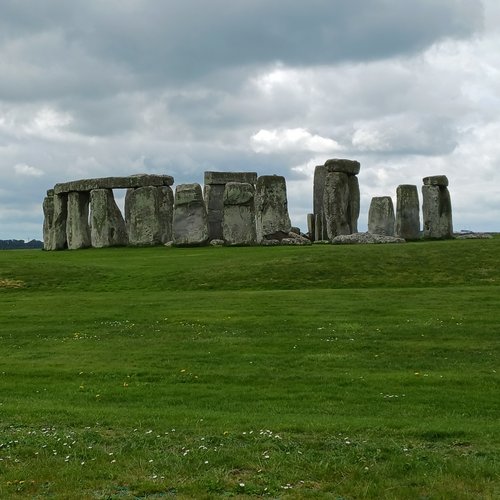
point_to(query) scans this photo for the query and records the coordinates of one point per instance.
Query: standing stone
(48, 219)
(107, 227)
(271, 208)
(77, 224)
(436, 208)
(148, 215)
(215, 183)
(190, 225)
(238, 223)
(354, 203)
(311, 229)
(407, 212)
(336, 204)
(381, 216)
(332, 217)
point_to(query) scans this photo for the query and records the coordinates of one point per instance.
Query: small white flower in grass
(242, 485)
(113, 461)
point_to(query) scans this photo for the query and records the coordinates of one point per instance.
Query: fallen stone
(107, 227)
(295, 230)
(365, 238)
(381, 218)
(217, 243)
(132, 181)
(190, 223)
(271, 207)
(474, 236)
(270, 243)
(407, 212)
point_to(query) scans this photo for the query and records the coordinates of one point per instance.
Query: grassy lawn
(338, 372)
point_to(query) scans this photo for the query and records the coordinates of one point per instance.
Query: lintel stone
(225, 177)
(132, 181)
(349, 167)
(436, 180)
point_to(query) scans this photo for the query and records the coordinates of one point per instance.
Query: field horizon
(330, 371)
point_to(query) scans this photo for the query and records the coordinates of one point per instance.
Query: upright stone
(77, 225)
(271, 208)
(48, 220)
(436, 208)
(381, 218)
(190, 226)
(148, 215)
(336, 200)
(354, 203)
(238, 223)
(59, 239)
(407, 212)
(215, 183)
(107, 227)
(336, 204)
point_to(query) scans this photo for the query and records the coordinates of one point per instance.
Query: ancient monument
(236, 208)
(381, 218)
(436, 208)
(336, 199)
(407, 212)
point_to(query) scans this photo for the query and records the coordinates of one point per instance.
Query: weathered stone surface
(436, 212)
(132, 181)
(238, 223)
(77, 224)
(48, 220)
(107, 227)
(311, 229)
(148, 215)
(436, 180)
(58, 240)
(216, 243)
(474, 236)
(225, 177)
(381, 218)
(295, 239)
(295, 230)
(214, 201)
(407, 212)
(271, 206)
(365, 238)
(353, 206)
(318, 194)
(350, 167)
(190, 223)
(335, 204)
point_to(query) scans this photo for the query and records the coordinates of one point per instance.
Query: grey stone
(407, 212)
(381, 218)
(132, 181)
(335, 204)
(190, 223)
(295, 239)
(217, 243)
(270, 243)
(350, 167)
(238, 223)
(436, 212)
(318, 194)
(225, 177)
(436, 180)
(48, 220)
(474, 236)
(311, 230)
(214, 201)
(148, 215)
(365, 238)
(295, 230)
(271, 207)
(77, 224)
(353, 206)
(107, 227)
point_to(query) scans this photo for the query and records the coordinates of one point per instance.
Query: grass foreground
(340, 372)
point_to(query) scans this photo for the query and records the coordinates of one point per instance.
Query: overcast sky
(94, 88)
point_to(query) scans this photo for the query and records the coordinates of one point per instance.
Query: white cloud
(27, 170)
(291, 140)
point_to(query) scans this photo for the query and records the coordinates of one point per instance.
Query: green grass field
(339, 372)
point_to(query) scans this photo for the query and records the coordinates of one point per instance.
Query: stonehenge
(237, 209)
(381, 219)
(436, 208)
(336, 199)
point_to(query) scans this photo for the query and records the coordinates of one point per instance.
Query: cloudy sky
(94, 88)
